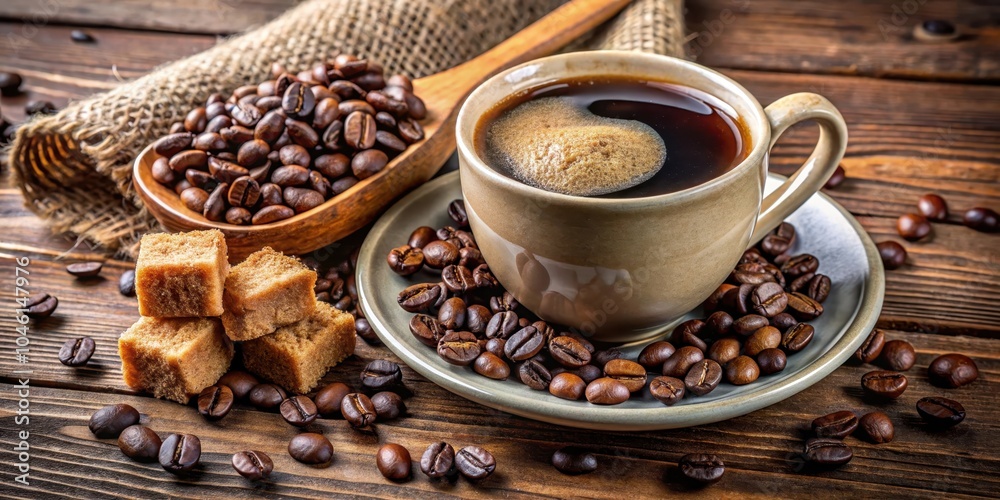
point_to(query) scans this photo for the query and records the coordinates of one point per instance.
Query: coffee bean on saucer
(240, 382)
(267, 396)
(460, 348)
(779, 241)
(421, 236)
(803, 307)
(799, 265)
(769, 299)
(633, 375)
(667, 390)
(952, 370)
(358, 410)
(654, 355)
(491, 366)
(933, 207)
(388, 405)
(742, 370)
(393, 461)
(299, 411)
(110, 421)
(876, 427)
(215, 401)
(505, 302)
(678, 364)
(884, 384)
(607, 391)
(749, 323)
(893, 254)
(702, 468)
(85, 269)
(913, 226)
(898, 355)
(534, 375)
(311, 448)
(139, 443)
(771, 361)
(982, 219)
(767, 337)
(422, 296)
(475, 463)
(703, 377)
(126, 283)
(180, 453)
(724, 350)
(438, 460)
(567, 386)
(456, 210)
(329, 398)
(835, 425)
(76, 352)
(253, 465)
(524, 344)
(41, 306)
(440, 254)
(380, 375)
(797, 337)
(574, 461)
(827, 452)
(940, 412)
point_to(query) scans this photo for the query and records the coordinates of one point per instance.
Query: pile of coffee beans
(284, 146)
(757, 318)
(336, 285)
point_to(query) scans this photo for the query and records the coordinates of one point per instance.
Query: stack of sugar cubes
(194, 306)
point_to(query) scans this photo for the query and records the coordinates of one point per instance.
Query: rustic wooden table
(922, 117)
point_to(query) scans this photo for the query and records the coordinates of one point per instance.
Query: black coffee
(702, 138)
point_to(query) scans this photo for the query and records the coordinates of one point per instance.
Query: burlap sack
(74, 168)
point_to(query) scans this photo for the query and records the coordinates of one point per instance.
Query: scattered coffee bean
(85, 269)
(329, 398)
(702, 468)
(574, 461)
(872, 347)
(803, 307)
(898, 355)
(524, 344)
(41, 306)
(876, 427)
(110, 421)
(215, 401)
(139, 443)
(438, 460)
(982, 219)
(299, 411)
(10, 83)
(39, 107)
(952, 370)
(884, 384)
(388, 405)
(239, 382)
(126, 283)
(940, 412)
(253, 465)
(475, 463)
(933, 207)
(311, 448)
(76, 352)
(827, 452)
(607, 391)
(358, 410)
(913, 226)
(393, 462)
(893, 254)
(267, 397)
(180, 453)
(836, 179)
(380, 375)
(456, 210)
(835, 425)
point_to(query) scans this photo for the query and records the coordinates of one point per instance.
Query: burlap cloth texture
(75, 168)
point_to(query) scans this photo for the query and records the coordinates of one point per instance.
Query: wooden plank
(760, 449)
(183, 16)
(854, 37)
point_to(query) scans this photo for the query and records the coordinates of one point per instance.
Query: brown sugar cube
(297, 356)
(174, 358)
(267, 291)
(181, 275)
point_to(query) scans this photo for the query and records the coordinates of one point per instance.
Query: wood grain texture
(853, 37)
(760, 449)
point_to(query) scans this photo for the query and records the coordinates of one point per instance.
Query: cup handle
(817, 169)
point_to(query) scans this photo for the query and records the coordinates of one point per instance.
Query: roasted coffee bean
(933, 207)
(818, 288)
(490, 365)
(724, 350)
(190, 159)
(438, 460)
(742, 370)
(299, 411)
(301, 133)
(10, 83)
(836, 178)
(215, 401)
(333, 135)
(270, 127)
(681, 361)
(272, 213)
(400, 81)
(253, 153)
(607, 391)
(475, 463)
(481, 275)
(427, 329)
(884, 384)
(210, 141)
(702, 468)
(356, 106)
(238, 216)
(110, 421)
(655, 354)
(567, 386)
(799, 265)
(180, 453)
(194, 199)
(741, 303)
(714, 301)
(719, 323)
(898, 355)
(76, 352)
(243, 192)
(358, 410)
(750, 323)
(381, 374)
(238, 134)
(222, 170)
(893, 254)
(293, 154)
(952, 370)
(388, 405)
(767, 337)
(126, 283)
(393, 461)
(779, 241)
(913, 226)
(421, 236)
(311, 448)
(524, 344)
(328, 399)
(801, 284)
(422, 296)
(246, 114)
(871, 348)
(459, 348)
(290, 175)
(456, 210)
(667, 390)
(505, 302)
(703, 377)
(588, 373)
(877, 427)
(458, 279)
(751, 273)
(803, 307)
(570, 353)
(359, 129)
(162, 172)
(267, 396)
(410, 130)
(440, 254)
(201, 179)
(940, 412)
(771, 361)
(477, 317)
(629, 373)
(139, 443)
(253, 465)
(215, 205)
(689, 333)
(41, 306)
(574, 461)
(405, 260)
(982, 219)
(239, 382)
(827, 452)
(451, 315)
(298, 101)
(495, 346)
(534, 375)
(502, 325)
(838, 424)
(327, 111)
(368, 163)
(382, 102)
(196, 120)
(797, 337)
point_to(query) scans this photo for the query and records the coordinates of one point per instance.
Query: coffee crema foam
(553, 144)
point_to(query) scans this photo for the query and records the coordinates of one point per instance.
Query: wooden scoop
(443, 93)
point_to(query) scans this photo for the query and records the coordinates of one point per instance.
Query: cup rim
(758, 126)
